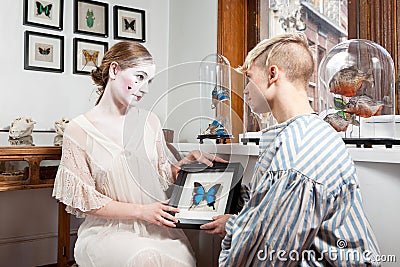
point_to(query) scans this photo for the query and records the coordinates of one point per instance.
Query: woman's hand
(200, 156)
(217, 226)
(157, 213)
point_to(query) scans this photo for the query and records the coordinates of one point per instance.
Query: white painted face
(254, 91)
(132, 84)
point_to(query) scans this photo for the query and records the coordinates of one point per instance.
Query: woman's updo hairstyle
(127, 54)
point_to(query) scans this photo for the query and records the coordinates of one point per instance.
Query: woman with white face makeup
(115, 168)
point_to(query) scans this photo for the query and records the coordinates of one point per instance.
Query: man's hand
(217, 226)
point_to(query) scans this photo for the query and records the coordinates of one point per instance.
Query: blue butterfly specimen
(130, 25)
(46, 9)
(200, 194)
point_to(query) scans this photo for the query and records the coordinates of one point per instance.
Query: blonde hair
(127, 54)
(290, 52)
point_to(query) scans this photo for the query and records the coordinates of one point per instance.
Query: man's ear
(273, 73)
(113, 70)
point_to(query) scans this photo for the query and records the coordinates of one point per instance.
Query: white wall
(46, 97)
(193, 36)
(28, 219)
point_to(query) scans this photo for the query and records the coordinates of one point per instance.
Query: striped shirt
(305, 206)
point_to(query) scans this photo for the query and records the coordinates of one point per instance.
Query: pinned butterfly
(130, 25)
(90, 57)
(42, 9)
(44, 51)
(200, 194)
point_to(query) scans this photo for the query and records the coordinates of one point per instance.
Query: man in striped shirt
(305, 205)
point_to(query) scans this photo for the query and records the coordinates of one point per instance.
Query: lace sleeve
(74, 185)
(165, 160)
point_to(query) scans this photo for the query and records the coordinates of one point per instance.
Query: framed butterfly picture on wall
(44, 13)
(202, 192)
(91, 17)
(87, 55)
(43, 52)
(129, 24)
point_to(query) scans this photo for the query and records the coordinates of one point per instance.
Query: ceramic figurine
(21, 127)
(60, 127)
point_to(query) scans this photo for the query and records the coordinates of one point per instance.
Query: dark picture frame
(87, 54)
(202, 192)
(43, 52)
(129, 24)
(91, 18)
(44, 14)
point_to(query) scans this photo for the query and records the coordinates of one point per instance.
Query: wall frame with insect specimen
(202, 192)
(91, 17)
(43, 52)
(45, 14)
(129, 24)
(87, 54)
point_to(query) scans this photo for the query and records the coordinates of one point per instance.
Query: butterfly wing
(211, 194)
(126, 24)
(198, 193)
(95, 56)
(86, 54)
(47, 10)
(39, 7)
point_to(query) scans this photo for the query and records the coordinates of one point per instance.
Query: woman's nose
(144, 88)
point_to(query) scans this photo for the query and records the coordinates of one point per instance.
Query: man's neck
(284, 108)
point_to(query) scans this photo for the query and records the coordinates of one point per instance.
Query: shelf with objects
(356, 88)
(215, 99)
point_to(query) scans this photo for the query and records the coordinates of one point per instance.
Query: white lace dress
(94, 170)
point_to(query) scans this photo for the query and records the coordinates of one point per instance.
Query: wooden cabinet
(30, 167)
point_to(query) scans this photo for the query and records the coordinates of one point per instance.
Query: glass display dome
(356, 89)
(215, 93)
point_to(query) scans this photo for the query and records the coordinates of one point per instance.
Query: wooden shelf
(33, 155)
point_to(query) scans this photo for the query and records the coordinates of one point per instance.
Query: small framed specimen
(43, 52)
(91, 17)
(87, 54)
(44, 13)
(129, 24)
(202, 192)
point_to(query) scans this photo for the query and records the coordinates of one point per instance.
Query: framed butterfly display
(202, 192)
(43, 52)
(91, 17)
(44, 13)
(87, 55)
(129, 24)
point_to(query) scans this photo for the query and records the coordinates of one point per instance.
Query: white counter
(377, 154)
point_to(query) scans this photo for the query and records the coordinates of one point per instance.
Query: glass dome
(215, 93)
(356, 90)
